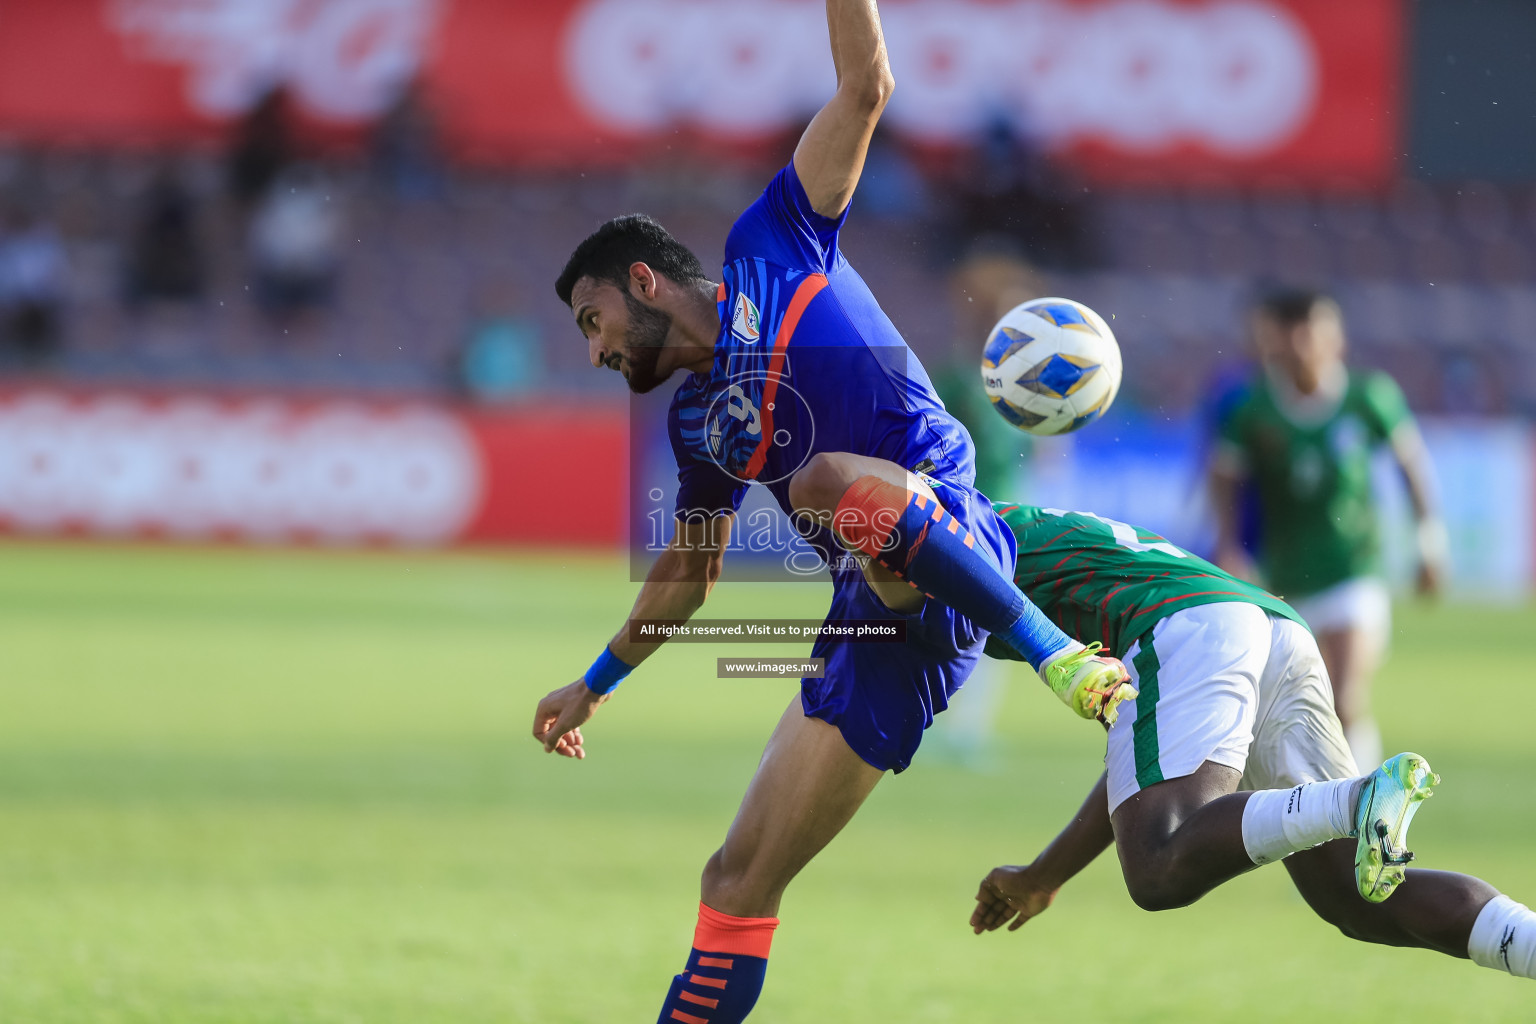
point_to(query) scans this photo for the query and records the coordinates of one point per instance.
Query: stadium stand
(1435, 280)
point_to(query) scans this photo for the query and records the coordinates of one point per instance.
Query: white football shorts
(1362, 603)
(1226, 683)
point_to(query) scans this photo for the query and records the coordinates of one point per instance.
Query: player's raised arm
(675, 588)
(830, 156)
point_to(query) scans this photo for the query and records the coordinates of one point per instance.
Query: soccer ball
(1051, 366)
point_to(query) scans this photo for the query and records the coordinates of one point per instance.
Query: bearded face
(643, 341)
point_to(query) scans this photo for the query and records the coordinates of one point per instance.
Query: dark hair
(607, 253)
(1290, 306)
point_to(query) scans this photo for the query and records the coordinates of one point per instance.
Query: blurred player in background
(1303, 434)
(990, 280)
(797, 380)
(1233, 695)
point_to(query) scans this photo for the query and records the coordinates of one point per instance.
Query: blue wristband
(606, 673)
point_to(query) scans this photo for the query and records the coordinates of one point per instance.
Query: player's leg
(1351, 622)
(1175, 759)
(1431, 909)
(1451, 913)
(881, 509)
(807, 787)
(1352, 655)
(1299, 738)
(890, 514)
(1180, 838)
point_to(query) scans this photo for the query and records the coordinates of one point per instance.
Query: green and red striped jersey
(1103, 580)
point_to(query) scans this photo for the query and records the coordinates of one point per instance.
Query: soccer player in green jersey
(1231, 756)
(1304, 434)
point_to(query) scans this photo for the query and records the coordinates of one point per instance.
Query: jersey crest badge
(745, 320)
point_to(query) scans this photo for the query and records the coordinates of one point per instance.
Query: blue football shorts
(881, 696)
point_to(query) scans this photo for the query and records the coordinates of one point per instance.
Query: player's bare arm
(675, 588)
(1413, 460)
(830, 156)
(1022, 892)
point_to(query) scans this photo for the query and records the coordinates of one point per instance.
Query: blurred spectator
(1305, 433)
(165, 258)
(33, 280)
(295, 243)
(891, 187)
(1469, 385)
(987, 283)
(1225, 390)
(405, 148)
(501, 357)
(262, 147)
(1008, 189)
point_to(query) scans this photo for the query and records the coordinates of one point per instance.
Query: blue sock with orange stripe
(725, 970)
(911, 534)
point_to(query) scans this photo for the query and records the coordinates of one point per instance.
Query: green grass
(246, 786)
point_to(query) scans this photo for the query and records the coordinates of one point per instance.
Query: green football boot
(1091, 685)
(1388, 799)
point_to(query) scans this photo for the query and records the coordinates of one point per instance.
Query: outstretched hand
(1010, 892)
(560, 715)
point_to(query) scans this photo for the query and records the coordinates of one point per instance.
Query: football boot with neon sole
(1388, 799)
(1092, 685)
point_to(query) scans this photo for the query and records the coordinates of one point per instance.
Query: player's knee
(1156, 891)
(819, 485)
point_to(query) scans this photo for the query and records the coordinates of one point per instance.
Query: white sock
(1504, 938)
(1280, 822)
(1364, 740)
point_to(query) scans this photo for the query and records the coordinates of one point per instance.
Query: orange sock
(725, 970)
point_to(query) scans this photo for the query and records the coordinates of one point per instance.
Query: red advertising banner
(1255, 90)
(271, 470)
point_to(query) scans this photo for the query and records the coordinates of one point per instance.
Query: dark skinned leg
(1180, 838)
(1431, 910)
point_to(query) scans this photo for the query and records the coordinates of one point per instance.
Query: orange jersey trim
(804, 293)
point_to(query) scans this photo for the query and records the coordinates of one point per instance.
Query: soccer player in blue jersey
(798, 381)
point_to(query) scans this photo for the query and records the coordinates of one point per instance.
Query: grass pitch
(246, 786)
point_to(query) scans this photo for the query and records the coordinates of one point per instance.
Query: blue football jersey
(806, 362)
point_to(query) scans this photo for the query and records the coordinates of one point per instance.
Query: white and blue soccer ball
(1051, 366)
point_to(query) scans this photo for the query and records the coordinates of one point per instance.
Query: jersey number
(740, 407)
(1125, 533)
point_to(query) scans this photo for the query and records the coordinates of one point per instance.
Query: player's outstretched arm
(830, 156)
(1413, 460)
(675, 588)
(1021, 892)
